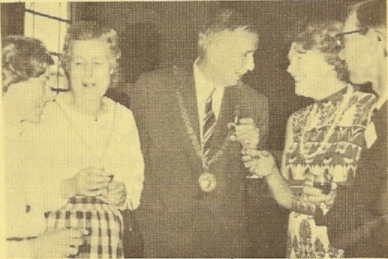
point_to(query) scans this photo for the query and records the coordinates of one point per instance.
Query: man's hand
(247, 133)
(61, 243)
(116, 194)
(260, 163)
(315, 195)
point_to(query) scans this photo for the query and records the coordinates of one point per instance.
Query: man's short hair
(372, 14)
(224, 20)
(227, 19)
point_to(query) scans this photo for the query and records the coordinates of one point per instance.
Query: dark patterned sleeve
(350, 217)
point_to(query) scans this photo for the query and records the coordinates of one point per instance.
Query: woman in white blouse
(24, 94)
(88, 163)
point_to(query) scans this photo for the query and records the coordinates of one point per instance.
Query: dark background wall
(12, 18)
(162, 34)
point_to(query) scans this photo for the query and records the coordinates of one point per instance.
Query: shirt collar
(203, 87)
(380, 102)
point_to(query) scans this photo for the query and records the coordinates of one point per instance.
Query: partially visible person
(24, 93)
(323, 141)
(358, 221)
(197, 201)
(57, 81)
(88, 162)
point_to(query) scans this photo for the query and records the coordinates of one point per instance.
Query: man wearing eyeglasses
(358, 221)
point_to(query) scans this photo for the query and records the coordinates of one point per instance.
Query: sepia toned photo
(194, 129)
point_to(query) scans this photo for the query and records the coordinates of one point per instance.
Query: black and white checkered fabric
(103, 221)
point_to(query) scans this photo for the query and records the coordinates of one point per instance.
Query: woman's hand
(258, 162)
(59, 243)
(116, 194)
(88, 182)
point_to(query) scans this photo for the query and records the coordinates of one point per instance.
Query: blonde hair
(322, 35)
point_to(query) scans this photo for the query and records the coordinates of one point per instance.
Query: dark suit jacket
(362, 202)
(177, 218)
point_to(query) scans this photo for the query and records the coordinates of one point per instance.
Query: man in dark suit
(358, 221)
(197, 199)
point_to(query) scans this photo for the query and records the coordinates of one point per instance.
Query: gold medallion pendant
(207, 182)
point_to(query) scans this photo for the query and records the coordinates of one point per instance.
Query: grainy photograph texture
(200, 129)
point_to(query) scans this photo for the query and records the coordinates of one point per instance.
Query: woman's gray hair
(88, 30)
(22, 58)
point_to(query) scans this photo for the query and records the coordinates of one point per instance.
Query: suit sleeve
(255, 106)
(356, 203)
(263, 123)
(140, 105)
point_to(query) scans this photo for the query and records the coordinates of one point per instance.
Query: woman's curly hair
(88, 30)
(22, 58)
(322, 35)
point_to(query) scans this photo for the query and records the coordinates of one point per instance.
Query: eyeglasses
(340, 36)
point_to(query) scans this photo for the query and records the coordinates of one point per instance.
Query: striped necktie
(209, 123)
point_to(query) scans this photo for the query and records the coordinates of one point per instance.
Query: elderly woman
(88, 151)
(323, 140)
(24, 64)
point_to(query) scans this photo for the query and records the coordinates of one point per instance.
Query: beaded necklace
(339, 113)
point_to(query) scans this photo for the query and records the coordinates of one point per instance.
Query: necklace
(207, 180)
(83, 140)
(339, 113)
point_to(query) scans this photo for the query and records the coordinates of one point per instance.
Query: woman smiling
(89, 149)
(323, 140)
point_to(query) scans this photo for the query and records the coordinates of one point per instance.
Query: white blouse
(67, 141)
(22, 221)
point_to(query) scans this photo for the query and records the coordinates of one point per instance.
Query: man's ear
(203, 41)
(383, 42)
(377, 42)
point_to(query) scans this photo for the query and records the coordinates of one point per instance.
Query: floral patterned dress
(324, 139)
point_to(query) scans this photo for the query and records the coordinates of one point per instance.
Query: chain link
(194, 140)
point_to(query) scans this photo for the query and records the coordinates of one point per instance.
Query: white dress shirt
(203, 89)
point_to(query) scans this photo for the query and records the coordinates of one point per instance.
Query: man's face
(90, 69)
(356, 53)
(229, 55)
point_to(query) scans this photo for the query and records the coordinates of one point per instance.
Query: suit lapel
(186, 85)
(187, 89)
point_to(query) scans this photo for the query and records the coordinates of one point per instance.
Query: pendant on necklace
(207, 181)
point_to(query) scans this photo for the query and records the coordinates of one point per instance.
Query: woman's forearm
(280, 190)
(284, 196)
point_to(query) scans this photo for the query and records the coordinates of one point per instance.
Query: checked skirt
(103, 221)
